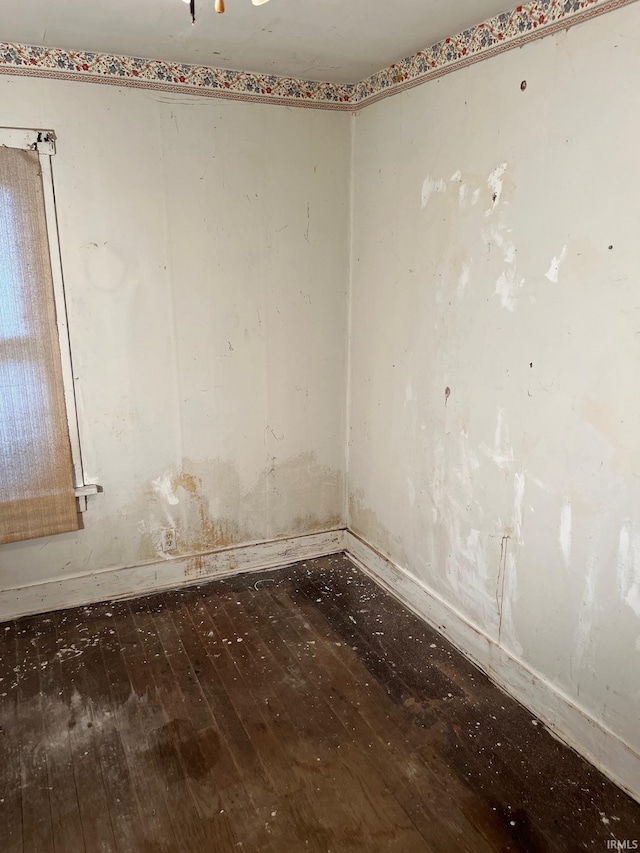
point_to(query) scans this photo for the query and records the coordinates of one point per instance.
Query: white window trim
(43, 141)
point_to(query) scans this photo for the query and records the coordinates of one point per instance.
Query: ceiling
(340, 41)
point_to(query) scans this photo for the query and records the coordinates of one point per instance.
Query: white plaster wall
(205, 248)
(496, 254)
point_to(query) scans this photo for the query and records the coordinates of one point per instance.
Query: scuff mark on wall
(519, 482)
(500, 580)
(564, 536)
(463, 280)
(410, 395)
(554, 268)
(509, 283)
(459, 539)
(509, 597)
(430, 186)
(466, 566)
(437, 482)
(501, 452)
(582, 634)
(164, 487)
(507, 288)
(494, 182)
(628, 569)
(507, 580)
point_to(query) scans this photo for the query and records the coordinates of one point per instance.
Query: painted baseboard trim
(565, 720)
(112, 584)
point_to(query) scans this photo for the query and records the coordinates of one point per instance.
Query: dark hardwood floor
(303, 709)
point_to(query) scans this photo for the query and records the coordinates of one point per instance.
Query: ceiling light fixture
(219, 7)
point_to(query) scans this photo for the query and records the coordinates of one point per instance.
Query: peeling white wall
(494, 445)
(205, 252)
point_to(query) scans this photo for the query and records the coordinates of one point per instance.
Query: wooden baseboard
(564, 719)
(111, 584)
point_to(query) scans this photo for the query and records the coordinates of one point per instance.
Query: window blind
(36, 474)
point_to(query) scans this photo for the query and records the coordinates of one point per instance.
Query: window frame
(43, 141)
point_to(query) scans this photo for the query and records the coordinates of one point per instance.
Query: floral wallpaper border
(511, 29)
(169, 76)
(508, 30)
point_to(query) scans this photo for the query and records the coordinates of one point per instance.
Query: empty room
(319, 426)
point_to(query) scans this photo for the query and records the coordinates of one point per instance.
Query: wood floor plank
(191, 832)
(10, 775)
(500, 779)
(63, 793)
(85, 701)
(36, 810)
(301, 709)
(150, 674)
(136, 716)
(440, 792)
(212, 775)
(346, 790)
(126, 819)
(468, 741)
(200, 646)
(166, 689)
(182, 673)
(288, 812)
(430, 672)
(417, 790)
(216, 671)
(234, 764)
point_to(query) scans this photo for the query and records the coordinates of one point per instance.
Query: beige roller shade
(36, 482)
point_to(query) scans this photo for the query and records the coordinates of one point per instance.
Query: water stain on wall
(197, 530)
(364, 522)
(210, 508)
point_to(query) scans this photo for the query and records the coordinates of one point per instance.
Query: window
(41, 476)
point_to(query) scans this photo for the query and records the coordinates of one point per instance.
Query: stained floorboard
(300, 709)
